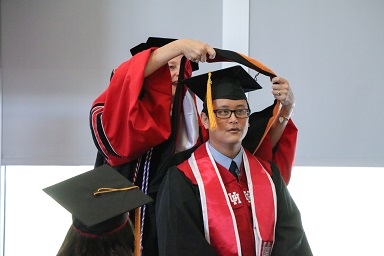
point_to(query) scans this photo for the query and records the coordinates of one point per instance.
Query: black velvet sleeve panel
(179, 217)
(290, 238)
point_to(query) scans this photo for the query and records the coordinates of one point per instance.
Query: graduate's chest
(236, 190)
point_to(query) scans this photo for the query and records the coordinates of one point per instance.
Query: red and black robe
(202, 209)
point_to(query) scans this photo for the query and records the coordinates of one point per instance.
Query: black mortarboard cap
(229, 83)
(231, 56)
(157, 42)
(97, 196)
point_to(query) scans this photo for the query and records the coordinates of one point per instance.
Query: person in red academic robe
(147, 119)
(143, 119)
(223, 200)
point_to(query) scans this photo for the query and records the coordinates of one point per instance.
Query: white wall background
(332, 52)
(57, 57)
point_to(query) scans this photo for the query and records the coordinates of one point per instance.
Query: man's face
(174, 67)
(230, 131)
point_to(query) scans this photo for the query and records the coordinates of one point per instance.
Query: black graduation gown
(180, 221)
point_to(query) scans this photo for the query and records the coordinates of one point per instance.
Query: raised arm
(193, 50)
(126, 123)
(282, 92)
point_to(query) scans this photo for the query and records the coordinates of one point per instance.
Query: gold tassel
(137, 232)
(211, 115)
(109, 190)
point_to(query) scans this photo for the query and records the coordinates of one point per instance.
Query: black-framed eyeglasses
(227, 113)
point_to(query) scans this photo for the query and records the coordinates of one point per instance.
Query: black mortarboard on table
(157, 42)
(99, 199)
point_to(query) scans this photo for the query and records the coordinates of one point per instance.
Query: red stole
(220, 227)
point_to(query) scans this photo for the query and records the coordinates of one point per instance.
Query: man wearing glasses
(223, 200)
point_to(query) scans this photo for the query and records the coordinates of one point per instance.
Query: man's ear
(204, 120)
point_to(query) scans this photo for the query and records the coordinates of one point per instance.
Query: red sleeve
(284, 152)
(284, 155)
(133, 114)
